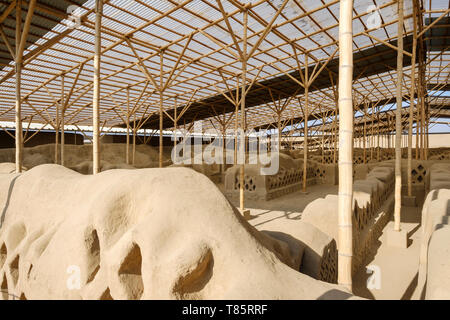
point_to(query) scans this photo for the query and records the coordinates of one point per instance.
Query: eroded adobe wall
(434, 269)
(137, 234)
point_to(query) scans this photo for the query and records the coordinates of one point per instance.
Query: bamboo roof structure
(190, 51)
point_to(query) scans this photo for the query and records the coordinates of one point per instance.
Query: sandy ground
(399, 267)
(289, 206)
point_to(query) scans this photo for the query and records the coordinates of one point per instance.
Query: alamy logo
(74, 280)
(374, 280)
(74, 18)
(232, 147)
(374, 18)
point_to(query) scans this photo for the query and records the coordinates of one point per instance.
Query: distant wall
(120, 138)
(43, 137)
(436, 140)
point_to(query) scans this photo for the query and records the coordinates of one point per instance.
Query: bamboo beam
(305, 135)
(411, 102)
(345, 237)
(127, 150)
(96, 94)
(161, 108)
(398, 121)
(62, 121)
(18, 112)
(243, 95)
(6, 41)
(58, 124)
(8, 10)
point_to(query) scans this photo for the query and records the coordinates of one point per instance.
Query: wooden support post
(323, 135)
(57, 122)
(243, 95)
(279, 128)
(161, 110)
(378, 135)
(127, 150)
(345, 228)
(175, 125)
(335, 133)
(18, 111)
(398, 120)
(411, 101)
(134, 139)
(236, 120)
(21, 39)
(372, 136)
(388, 133)
(96, 87)
(364, 133)
(161, 138)
(427, 125)
(62, 120)
(422, 115)
(305, 134)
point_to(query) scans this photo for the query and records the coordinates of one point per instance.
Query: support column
(161, 138)
(57, 122)
(161, 109)
(378, 135)
(134, 140)
(21, 38)
(127, 151)
(175, 124)
(243, 95)
(398, 120)
(18, 111)
(62, 120)
(335, 134)
(364, 133)
(345, 228)
(305, 134)
(96, 95)
(411, 101)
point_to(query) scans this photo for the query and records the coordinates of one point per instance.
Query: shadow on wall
(334, 295)
(11, 186)
(444, 219)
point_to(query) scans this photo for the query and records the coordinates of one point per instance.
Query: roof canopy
(188, 53)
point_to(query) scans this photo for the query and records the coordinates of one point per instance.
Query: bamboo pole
(243, 95)
(57, 121)
(372, 136)
(62, 120)
(335, 133)
(411, 102)
(323, 136)
(127, 150)
(175, 124)
(161, 138)
(427, 137)
(364, 133)
(398, 120)
(279, 128)
(422, 116)
(345, 237)
(134, 139)
(161, 101)
(236, 121)
(96, 87)
(305, 134)
(18, 111)
(378, 135)
(388, 133)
